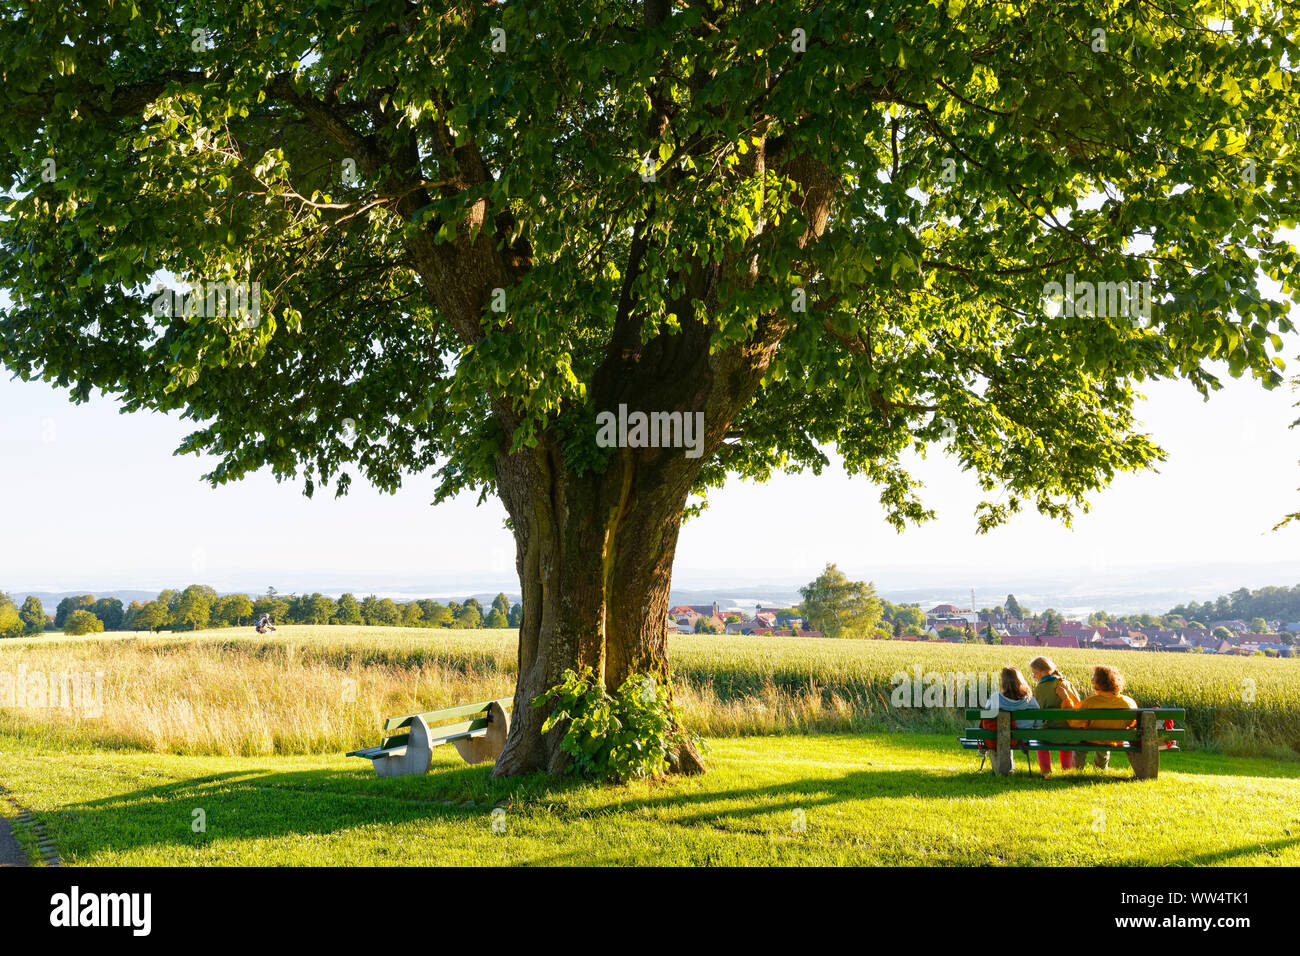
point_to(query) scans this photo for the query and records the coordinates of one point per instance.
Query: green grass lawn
(861, 799)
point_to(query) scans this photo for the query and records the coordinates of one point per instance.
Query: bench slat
(447, 713)
(1056, 713)
(466, 728)
(1073, 748)
(1072, 734)
(370, 753)
(441, 735)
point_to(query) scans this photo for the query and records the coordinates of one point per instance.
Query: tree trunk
(595, 549)
(594, 555)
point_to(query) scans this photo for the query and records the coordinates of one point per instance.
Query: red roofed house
(1040, 640)
(1083, 633)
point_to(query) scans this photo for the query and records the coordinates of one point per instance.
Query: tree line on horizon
(832, 604)
(1269, 603)
(198, 607)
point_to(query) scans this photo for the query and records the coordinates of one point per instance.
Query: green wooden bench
(1143, 743)
(408, 745)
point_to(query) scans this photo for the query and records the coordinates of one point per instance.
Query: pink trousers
(1045, 760)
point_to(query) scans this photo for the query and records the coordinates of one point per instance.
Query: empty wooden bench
(1143, 743)
(408, 745)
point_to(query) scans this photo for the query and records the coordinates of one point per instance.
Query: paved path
(11, 854)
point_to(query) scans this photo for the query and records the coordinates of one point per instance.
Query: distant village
(957, 625)
(709, 619)
(1218, 637)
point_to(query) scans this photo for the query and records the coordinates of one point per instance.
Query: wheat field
(321, 689)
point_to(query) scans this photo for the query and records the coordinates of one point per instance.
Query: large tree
(192, 608)
(347, 611)
(110, 611)
(81, 621)
(320, 608)
(153, 616)
(412, 614)
(72, 603)
(33, 615)
(839, 607)
(234, 609)
(825, 227)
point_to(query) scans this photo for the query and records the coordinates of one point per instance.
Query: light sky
(92, 499)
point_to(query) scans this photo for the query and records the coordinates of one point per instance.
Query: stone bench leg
(490, 745)
(1146, 765)
(416, 760)
(1003, 758)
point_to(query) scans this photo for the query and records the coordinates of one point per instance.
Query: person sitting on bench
(1052, 691)
(1108, 694)
(1013, 695)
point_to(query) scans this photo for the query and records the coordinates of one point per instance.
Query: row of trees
(831, 604)
(1270, 603)
(199, 606)
(1177, 621)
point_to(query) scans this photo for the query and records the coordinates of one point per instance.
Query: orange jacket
(1104, 701)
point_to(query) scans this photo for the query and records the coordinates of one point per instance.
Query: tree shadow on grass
(265, 804)
(1270, 848)
(257, 805)
(262, 803)
(938, 785)
(446, 785)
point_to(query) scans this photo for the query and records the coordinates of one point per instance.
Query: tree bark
(594, 554)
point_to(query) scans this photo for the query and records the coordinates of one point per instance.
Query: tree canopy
(381, 170)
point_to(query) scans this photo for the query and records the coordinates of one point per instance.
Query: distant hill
(50, 599)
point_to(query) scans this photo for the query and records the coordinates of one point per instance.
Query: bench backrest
(478, 714)
(1081, 735)
(447, 713)
(1057, 713)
